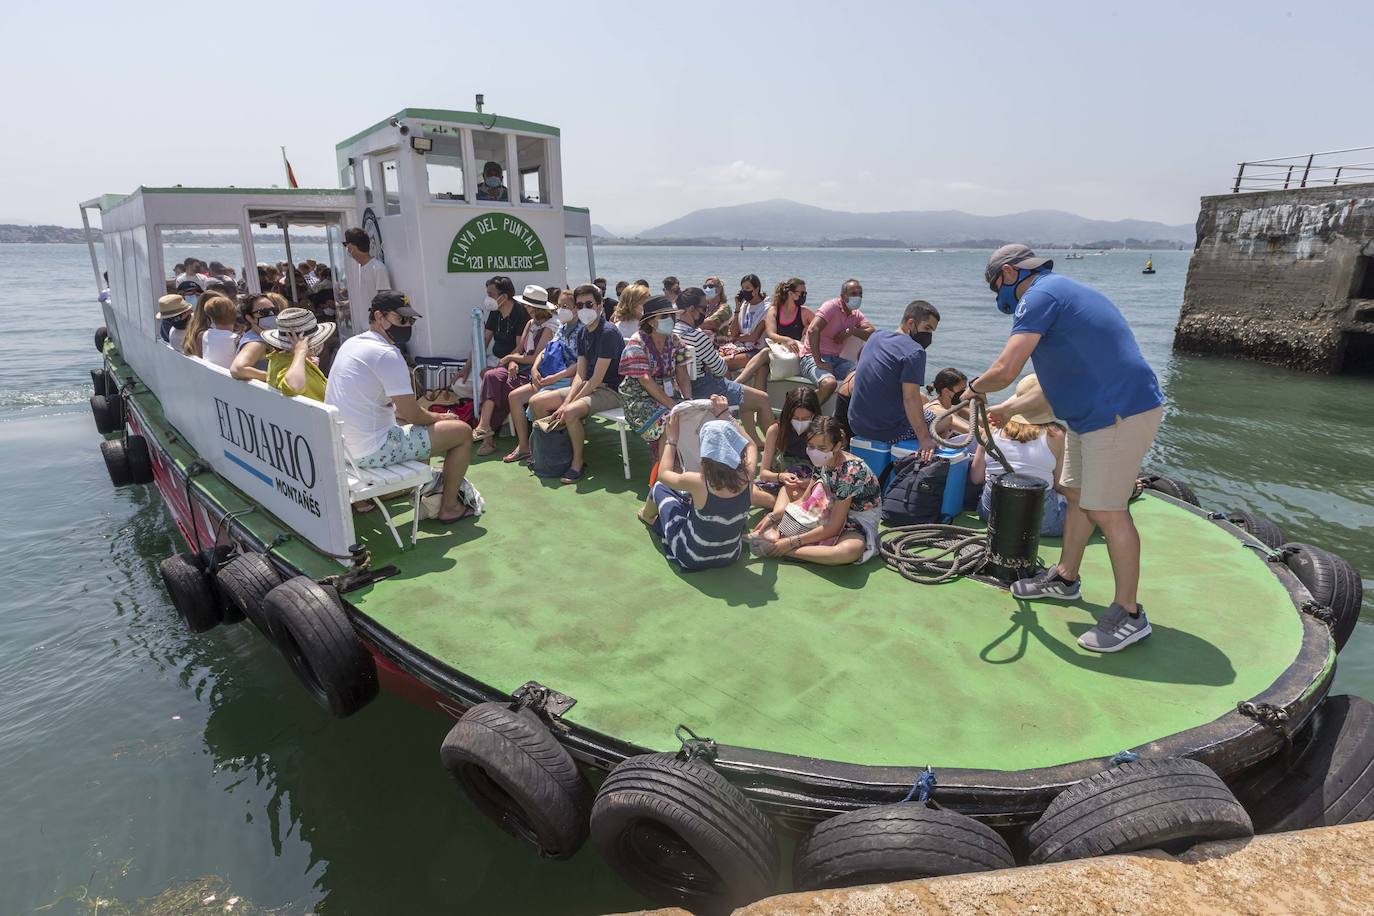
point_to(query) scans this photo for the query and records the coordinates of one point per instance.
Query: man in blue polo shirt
(1099, 385)
(887, 404)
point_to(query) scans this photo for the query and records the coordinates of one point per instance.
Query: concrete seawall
(1285, 277)
(1329, 870)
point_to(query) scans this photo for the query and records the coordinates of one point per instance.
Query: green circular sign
(496, 242)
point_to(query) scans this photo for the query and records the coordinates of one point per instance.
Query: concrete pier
(1329, 870)
(1285, 277)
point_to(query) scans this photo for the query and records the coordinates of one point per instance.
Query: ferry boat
(724, 715)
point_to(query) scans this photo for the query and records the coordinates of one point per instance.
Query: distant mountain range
(791, 223)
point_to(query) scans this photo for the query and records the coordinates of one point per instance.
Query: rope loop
(695, 747)
(922, 788)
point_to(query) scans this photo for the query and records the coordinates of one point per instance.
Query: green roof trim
(577, 209)
(454, 117)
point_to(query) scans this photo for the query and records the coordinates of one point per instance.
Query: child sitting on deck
(784, 462)
(293, 360)
(702, 514)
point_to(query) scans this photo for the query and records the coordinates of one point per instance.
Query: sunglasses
(404, 320)
(263, 313)
(585, 303)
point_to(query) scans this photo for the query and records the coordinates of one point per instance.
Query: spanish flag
(290, 175)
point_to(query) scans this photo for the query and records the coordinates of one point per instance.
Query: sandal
(571, 476)
(486, 448)
(468, 512)
(517, 455)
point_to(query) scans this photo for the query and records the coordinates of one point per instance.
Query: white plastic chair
(377, 483)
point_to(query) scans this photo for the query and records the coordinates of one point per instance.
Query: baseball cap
(1017, 255)
(388, 301)
(189, 286)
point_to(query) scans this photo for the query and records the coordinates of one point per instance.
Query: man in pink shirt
(836, 321)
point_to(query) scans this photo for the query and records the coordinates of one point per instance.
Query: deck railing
(1306, 170)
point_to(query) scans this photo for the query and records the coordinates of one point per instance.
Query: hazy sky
(988, 107)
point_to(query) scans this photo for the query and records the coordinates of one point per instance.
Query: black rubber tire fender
(243, 583)
(102, 334)
(1168, 804)
(101, 382)
(656, 802)
(108, 410)
(191, 593)
(896, 843)
(1264, 531)
(1333, 582)
(318, 641)
(140, 461)
(116, 462)
(518, 774)
(1170, 487)
(1331, 781)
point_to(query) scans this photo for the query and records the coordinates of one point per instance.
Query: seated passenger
(595, 386)
(944, 393)
(553, 370)
(887, 404)
(293, 363)
(629, 310)
(784, 462)
(506, 319)
(514, 371)
(835, 521)
(258, 313)
(746, 332)
(491, 186)
(370, 385)
(712, 376)
(836, 321)
(1032, 441)
(717, 309)
(671, 288)
(173, 315)
(653, 370)
(701, 514)
(198, 325)
(219, 342)
(786, 319)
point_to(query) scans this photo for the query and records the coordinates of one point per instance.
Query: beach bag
(806, 513)
(786, 364)
(914, 491)
(552, 448)
(557, 357)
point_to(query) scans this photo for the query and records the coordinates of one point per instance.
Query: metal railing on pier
(1307, 170)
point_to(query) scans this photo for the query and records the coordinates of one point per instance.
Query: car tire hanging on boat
(896, 843)
(244, 583)
(317, 640)
(139, 460)
(1170, 487)
(1333, 583)
(1264, 531)
(1169, 804)
(116, 462)
(681, 834)
(102, 334)
(518, 774)
(191, 591)
(1330, 780)
(100, 381)
(108, 410)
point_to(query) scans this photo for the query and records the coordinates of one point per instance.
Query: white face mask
(855, 301)
(665, 325)
(565, 315)
(489, 303)
(819, 457)
(710, 292)
(587, 316)
(800, 426)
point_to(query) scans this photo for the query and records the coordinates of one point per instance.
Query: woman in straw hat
(1033, 443)
(514, 371)
(293, 357)
(173, 315)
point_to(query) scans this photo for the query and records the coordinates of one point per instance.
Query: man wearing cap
(370, 385)
(173, 314)
(491, 187)
(1099, 385)
(190, 288)
(293, 360)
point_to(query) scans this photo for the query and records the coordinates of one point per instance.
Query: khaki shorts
(602, 399)
(1105, 463)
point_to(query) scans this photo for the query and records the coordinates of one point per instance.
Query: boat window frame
(158, 249)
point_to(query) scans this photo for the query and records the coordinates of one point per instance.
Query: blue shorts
(839, 371)
(707, 385)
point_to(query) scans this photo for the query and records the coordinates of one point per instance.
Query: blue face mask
(493, 181)
(1006, 296)
(191, 300)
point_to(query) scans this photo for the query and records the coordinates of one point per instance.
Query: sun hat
(658, 305)
(1036, 411)
(171, 305)
(1019, 256)
(535, 297)
(722, 442)
(298, 321)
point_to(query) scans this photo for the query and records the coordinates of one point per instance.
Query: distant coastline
(974, 244)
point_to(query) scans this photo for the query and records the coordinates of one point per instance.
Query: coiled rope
(934, 553)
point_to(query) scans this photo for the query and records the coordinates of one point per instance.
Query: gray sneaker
(1116, 630)
(1048, 584)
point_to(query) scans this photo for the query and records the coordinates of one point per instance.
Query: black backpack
(552, 451)
(915, 490)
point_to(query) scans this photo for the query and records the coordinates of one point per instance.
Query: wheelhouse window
(391, 188)
(365, 170)
(533, 156)
(198, 262)
(489, 150)
(444, 169)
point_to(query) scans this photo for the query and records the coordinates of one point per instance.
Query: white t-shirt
(176, 337)
(368, 372)
(749, 318)
(368, 280)
(218, 346)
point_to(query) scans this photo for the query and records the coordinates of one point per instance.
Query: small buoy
(518, 774)
(1168, 804)
(682, 835)
(189, 587)
(108, 410)
(244, 583)
(1333, 583)
(318, 641)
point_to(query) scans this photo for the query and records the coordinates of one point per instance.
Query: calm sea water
(148, 769)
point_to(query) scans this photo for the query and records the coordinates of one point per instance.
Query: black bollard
(1018, 506)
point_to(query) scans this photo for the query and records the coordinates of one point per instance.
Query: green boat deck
(564, 586)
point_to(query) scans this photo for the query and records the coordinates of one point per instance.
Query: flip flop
(487, 448)
(479, 434)
(517, 455)
(468, 512)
